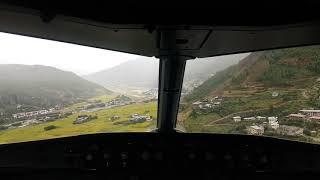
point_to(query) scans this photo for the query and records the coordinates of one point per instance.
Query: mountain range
(42, 86)
(143, 72)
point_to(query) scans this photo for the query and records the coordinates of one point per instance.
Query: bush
(146, 111)
(48, 128)
(307, 132)
(193, 114)
(241, 129)
(92, 117)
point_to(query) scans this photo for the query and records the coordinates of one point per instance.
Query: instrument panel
(155, 155)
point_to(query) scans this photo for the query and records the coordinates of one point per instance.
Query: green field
(102, 124)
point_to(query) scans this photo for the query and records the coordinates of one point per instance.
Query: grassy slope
(100, 125)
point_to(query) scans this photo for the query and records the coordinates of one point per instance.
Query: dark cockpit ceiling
(200, 30)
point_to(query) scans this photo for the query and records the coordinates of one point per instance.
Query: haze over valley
(48, 102)
(142, 73)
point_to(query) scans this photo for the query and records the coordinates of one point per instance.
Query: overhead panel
(147, 39)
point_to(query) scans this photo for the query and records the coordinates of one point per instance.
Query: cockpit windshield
(268, 93)
(52, 89)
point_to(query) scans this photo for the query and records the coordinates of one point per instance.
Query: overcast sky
(15, 49)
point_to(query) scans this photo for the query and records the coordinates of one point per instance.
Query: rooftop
(315, 117)
(257, 127)
(296, 115)
(311, 110)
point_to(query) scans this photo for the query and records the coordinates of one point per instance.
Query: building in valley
(296, 116)
(260, 118)
(314, 118)
(249, 118)
(311, 112)
(236, 119)
(273, 122)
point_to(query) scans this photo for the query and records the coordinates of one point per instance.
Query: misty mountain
(203, 68)
(143, 72)
(42, 86)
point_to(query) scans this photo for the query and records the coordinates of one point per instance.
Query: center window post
(170, 85)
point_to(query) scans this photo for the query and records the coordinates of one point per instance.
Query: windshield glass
(51, 89)
(268, 93)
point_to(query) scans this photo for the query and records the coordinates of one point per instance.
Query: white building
(236, 119)
(273, 122)
(208, 105)
(311, 112)
(272, 119)
(274, 125)
(275, 94)
(32, 113)
(43, 111)
(197, 103)
(249, 118)
(134, 115)
(261, 118)
(217, 103)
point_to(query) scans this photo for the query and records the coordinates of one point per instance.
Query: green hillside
(266, 83)
(223, 78)
(275, 68)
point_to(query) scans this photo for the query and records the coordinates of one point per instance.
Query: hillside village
(272, 123)
(270, 93)
(264, 120)
(262, 123)
(208, 104)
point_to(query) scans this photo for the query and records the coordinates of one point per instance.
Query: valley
(40, 102)
(271, 93)
(119, 117)
(69, 90)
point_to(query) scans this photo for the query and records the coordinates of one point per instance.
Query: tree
(48, 128)
(271, 109)
(241, 129)
(193, 114)
(307, 132)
